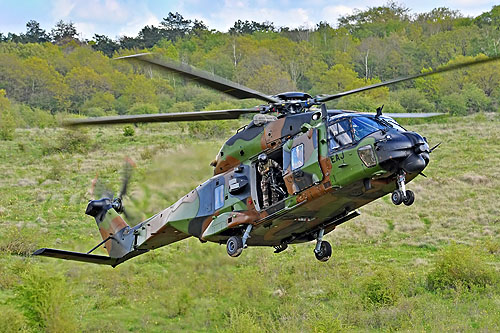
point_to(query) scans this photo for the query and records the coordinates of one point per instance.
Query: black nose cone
(406, 151)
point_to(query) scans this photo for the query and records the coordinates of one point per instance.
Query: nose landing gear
(401, 195)
(323, 249)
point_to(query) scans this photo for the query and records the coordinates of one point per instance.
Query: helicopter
(330, 163)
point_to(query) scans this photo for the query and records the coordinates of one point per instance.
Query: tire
(325, 251)
(397, 197)
(409, 199)
(234, 246)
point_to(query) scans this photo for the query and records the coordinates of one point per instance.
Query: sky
(115, 18)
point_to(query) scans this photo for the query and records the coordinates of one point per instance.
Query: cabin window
(297, 156)
(219, 196)
(339, 134)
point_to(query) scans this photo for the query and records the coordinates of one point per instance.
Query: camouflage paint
(331, 185)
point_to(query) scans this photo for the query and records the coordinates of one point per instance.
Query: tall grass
(392, 268)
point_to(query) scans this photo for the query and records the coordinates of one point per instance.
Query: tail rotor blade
(127, 174)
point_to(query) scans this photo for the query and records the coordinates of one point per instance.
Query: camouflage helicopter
(292, 175)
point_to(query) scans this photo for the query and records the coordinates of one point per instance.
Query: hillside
(433, 266)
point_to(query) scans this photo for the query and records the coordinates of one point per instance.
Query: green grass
(392, 268)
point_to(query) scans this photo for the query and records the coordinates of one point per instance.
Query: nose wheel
(323, 249)
(401, 195)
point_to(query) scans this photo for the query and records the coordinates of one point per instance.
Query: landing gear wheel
(234, 246)
(409, 198)
(325, 251)
(397, 197)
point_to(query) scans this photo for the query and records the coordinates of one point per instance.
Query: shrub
(69, 141)
(211, 129)
(143, 108)
(19, 242)
(459, 267)
(455, 104)
(413, 100)
(476, 99)
(11, 320)
(384, 287)
(7, 121)
(128, 131)
(45, 300)
(33, 117)
(358, 103)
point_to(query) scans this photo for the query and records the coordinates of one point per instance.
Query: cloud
(127, 17)
(61, 9)
(332, 13)
(132, 27)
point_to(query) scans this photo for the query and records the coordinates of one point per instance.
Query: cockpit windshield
(363, 126)
(393, 123)
(344, 131)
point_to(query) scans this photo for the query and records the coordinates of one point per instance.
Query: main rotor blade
(326, 98)
(163, 117)
(205, 78)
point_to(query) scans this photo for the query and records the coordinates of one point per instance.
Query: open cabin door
(301, 166)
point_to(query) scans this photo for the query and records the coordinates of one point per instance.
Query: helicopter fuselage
(329, 170)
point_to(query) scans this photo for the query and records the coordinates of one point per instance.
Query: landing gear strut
(323, 249)
(236, 244)
(401, 195)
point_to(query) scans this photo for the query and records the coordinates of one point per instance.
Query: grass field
(434, 266)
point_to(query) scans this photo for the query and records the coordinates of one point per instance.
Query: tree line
(57, 71)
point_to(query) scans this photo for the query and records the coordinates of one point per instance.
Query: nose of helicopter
(406, 151)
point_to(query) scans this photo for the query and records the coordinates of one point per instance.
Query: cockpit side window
(339, 134)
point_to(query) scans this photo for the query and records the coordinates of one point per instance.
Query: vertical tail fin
(112, 227)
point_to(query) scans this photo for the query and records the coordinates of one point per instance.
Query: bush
(211, 129)
(69, 141)
(143, 108)
(45, 300)
(358, 103)
(128, 131)
(7, 121)
(459, 267)
(12, 321)
(454, 104)
(33, 117)
(384, 287)
(413, 100)
(476, 99)
(19, 242)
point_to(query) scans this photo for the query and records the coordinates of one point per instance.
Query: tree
(150, 35)
(34, 34)
(438, 20)
(248, 27)
(376, 21)
(105, 45)
(175, 26)
(270, 80)
(63, 32)
(84, 83)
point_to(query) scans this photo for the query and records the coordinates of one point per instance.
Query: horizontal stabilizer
(84, 257)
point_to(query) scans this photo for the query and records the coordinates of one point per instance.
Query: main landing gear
(236, 244)
(323, 249)
(401, 195)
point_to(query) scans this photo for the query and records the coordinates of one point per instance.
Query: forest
(43, 74)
